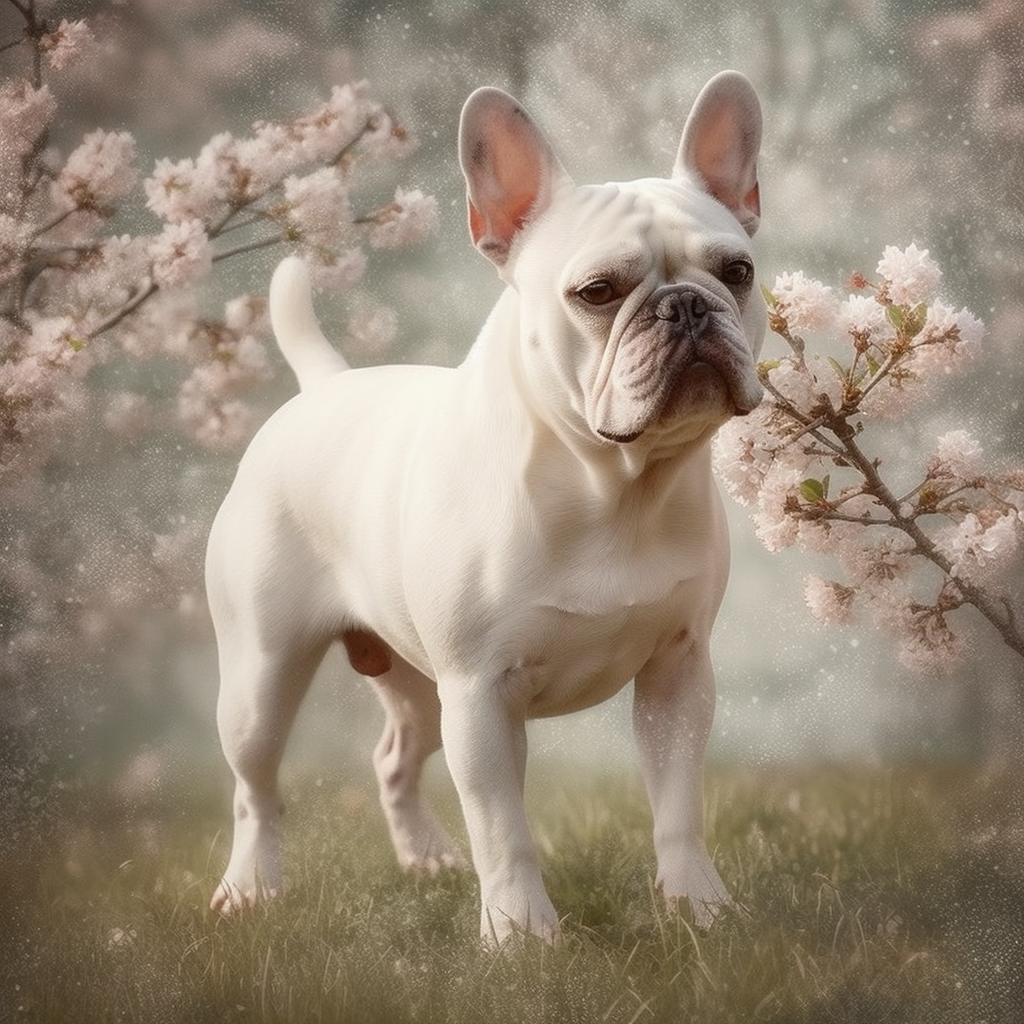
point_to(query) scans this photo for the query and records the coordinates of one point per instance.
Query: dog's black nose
(682, 304)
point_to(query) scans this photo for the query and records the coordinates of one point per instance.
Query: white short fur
(520, 536)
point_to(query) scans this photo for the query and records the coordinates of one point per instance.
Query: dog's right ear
(511, 171)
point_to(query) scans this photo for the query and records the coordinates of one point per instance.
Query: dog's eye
(597, 293)
(738, 272)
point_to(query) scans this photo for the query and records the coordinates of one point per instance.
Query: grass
(871, 895)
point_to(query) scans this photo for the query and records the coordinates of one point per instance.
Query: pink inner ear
(517, 176)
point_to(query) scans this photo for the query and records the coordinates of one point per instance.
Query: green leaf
(896, 315)
(873, 365)
(841, 371)
(812, 490)
(768, 365)
(768, 297)
(914, 323)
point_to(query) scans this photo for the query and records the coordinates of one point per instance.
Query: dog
(518, 536)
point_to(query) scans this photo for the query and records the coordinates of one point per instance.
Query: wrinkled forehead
(626, 223)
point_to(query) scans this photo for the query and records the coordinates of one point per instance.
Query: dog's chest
(595, 616)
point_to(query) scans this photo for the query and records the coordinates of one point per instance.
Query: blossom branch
(830, 496)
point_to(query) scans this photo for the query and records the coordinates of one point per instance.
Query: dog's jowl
(520, 536)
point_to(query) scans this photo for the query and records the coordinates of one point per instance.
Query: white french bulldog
(519, 536)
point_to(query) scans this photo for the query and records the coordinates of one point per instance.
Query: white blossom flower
(957, 454)
(829, 602)
(100, 170)
(181, 254)
(911, 274)
(806, 303)
(949, 339)
(865, 315)
(980, 544)
(409, 218)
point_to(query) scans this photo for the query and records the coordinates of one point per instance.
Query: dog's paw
(701, 886)
(429, 855)
(229, 899)
(423, 847)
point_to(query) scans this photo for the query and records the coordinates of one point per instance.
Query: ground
(876, 894)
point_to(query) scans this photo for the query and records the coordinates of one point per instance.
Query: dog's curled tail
(310, 355)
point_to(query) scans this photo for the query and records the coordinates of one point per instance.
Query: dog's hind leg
(412, 732)
(260, 693)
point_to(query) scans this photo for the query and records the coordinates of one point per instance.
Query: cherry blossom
(409, 218)
(829, 602)
(802, 466)
(181, 254)
(68, 42)
(804, 302)
(109, 332)
(910, 274)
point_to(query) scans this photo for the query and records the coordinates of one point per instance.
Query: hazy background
(885, 123)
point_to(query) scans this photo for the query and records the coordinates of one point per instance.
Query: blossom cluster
(799, 461)
(107, 328)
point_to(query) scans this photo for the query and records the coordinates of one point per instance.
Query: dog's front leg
(673, 707)
(485, 746)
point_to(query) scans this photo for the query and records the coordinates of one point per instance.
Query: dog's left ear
(720, 145)
(511, 171)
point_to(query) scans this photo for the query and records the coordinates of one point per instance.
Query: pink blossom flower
(336, 271)
(773, 524)
(742, 454)
(101, 170)
(371, 330)
(69, 41)
(957, 455)
(57, 341)
(324, 134)
(979, 545)
(911, 275)
(272, 153)
(317, 207)
(181, 254)
(409, 218)
(806, 304)
(178, 191)
(806, 384)
(246, 314)
(829, 602)
(25, 113)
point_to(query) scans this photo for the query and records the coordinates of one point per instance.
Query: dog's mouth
(683, 355)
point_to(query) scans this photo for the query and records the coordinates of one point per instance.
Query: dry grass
(881, 896)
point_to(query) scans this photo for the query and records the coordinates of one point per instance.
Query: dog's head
(639, 314)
